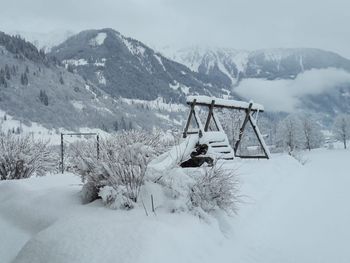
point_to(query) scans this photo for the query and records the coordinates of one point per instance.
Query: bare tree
(341, 128)
(289, 134)
(231, 122)
(312, 132)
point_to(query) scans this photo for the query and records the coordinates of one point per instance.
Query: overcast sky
(244, 24)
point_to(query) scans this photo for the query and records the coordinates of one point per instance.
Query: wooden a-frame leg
(241, 130)
(210, 114)
(189, 118)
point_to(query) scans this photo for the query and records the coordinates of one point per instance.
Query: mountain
(125, 67)
(102, 79)
(35, 87)
(300, 79)
(231, 65)
(44, 41)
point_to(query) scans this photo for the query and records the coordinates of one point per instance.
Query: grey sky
(244, 24)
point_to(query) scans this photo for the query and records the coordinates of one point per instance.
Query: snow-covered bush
(299, 156)
(22, 157)
(121, 166)
(216, 188)
(115, 197)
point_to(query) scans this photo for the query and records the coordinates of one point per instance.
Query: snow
(185, 89)
(160, 61)
(223, 69)
(45, 40)
(219, 138)
(167, 118)
(87, 87)
(157, 104)
(98, 40)
(174, 86)
(260, 136)
(241, 59)
(304, 218)
(173, 157)
(77, 104)
(100, 77)
(34, 129)
(134, 49)
(194, 57)
(75, 62)
(290, 213)
(100, 63)
(40, 132)
(224, 102)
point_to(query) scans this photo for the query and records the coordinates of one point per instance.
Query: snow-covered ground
(37, 131)
(290, 213)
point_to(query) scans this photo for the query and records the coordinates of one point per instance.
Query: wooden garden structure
(251, 110)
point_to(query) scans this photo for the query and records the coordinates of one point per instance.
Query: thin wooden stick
(144, 207)
(153, 210)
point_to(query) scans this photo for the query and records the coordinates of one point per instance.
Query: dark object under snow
(197, 157)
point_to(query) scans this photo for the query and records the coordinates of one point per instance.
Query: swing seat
(218, 145)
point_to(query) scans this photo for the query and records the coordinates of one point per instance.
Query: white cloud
(283, 95)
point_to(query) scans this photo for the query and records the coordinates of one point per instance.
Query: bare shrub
(216, 188)
(299, 156)
(22, 157)
(121, 165)
(341, 128)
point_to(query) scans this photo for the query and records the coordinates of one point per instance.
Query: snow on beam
(222, 103)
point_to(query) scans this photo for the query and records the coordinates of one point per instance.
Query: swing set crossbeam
(222, 103)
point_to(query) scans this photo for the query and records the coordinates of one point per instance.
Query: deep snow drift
(290, 213)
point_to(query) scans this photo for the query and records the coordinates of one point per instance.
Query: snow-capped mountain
(101, 78)
(233, 65)
(124, 67)
(47, 40)
(301, 79)
(37, 88)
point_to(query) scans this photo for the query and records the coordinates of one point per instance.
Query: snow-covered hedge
(216, 188)
(22, 157)
(118, 173)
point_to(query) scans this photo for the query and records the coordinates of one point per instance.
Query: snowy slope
(291, 213)
(45, 40)
(125, 67)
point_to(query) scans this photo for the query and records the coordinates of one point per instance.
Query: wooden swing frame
(249, 108)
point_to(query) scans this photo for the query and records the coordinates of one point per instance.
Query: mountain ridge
(121, 65)
(274, 63)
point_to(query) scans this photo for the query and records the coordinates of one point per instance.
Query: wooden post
(98, 146)
(210, 114)
(241, 130)
(62, 167)
(259, 139)
(189, 118)
(153, 209)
